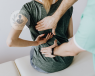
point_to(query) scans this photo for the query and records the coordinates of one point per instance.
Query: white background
(6, 9)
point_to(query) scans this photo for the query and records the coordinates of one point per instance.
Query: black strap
(53, 51)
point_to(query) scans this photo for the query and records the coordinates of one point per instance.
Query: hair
(47, 4)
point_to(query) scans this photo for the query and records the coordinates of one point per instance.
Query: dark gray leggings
(35, 67)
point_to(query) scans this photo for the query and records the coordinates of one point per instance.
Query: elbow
(9, 43)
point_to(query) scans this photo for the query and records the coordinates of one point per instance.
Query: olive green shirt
(34, 12)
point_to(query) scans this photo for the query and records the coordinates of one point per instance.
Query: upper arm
(17, 27)
(70, 28)
(21, 20)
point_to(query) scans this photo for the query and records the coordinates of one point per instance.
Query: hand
(41, 40)
(47, 23)
(48, 50)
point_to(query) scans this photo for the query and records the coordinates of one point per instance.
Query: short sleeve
(85, 37)
(26, 12)
(71, 11)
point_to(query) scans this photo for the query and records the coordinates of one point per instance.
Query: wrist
(56, 17)
(37, 43)
(54, 51)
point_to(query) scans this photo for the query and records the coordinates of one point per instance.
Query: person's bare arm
(13, 39)
(64, 6)
(50, 22)
(65, 49)
(70, 28)
(70, 34)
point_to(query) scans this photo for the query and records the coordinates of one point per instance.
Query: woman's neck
(53, 1)
(40, 1)
(46, 3)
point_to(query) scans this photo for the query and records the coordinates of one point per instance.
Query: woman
(31, 13)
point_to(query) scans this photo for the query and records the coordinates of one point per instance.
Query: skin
(70, 28)
(13, 39)
(73, 50)
(50, 22)
(47, 51)
(63, 49)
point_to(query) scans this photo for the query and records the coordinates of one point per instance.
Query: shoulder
(28, 6)
(29, 3)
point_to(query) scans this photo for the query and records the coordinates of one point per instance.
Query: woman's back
(37, 12)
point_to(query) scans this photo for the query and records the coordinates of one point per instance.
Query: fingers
(47, 37)
(41, 28)
(51, 56)
(44, 49)
(44, 53)
(50, 35)
(53, 31)
(55, 42)
(47, 52)
(41, 25)
(41, 35)
(40, 22)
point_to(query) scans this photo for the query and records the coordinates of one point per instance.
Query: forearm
(23, 43)
(64, 6)
(62, 50)
(67, 49)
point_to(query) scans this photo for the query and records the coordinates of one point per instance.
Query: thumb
(41, 35)
(53, 31)
(55, 43)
